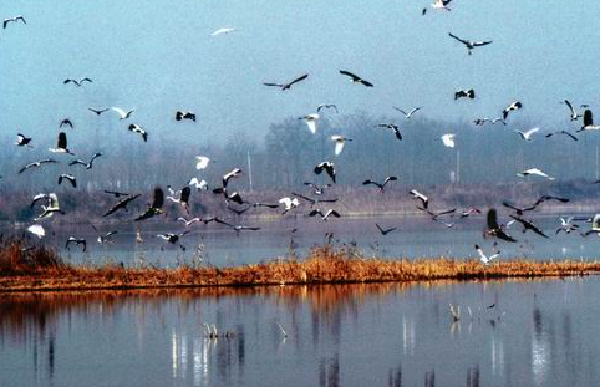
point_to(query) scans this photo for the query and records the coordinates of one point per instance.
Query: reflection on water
(539, 333)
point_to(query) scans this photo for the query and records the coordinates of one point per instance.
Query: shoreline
(324, 265)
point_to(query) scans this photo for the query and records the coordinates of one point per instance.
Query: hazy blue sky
(157, 57)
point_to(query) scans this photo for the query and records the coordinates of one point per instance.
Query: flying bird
(311, 121)
(534, 171)
(13, 19)
(37, 230)
(289, 203)
(315, 201)
(381, 186)
(61, 145)
(233, 174)
(574, 116)
(519, 210)
(68, 177)
(318, 189)
(183, 199)
(325, 216)
(327, 106)
(98, 112)
(135, 128)
(179, 115)
(52, 208)
(189, 222)
(448, 140)
(66, 122)
(441, 5)
(156, 207)
(87, 165)
(287, 86)
(340, 141)
(409, 113)
(394, 128)
(528, 225)
(470, 44)
(417, 195)
(121, 204)
(487, 259)
(37, 164)
(464, 93)
(527, 134)
(123, 115)
(22, 140)
(222, 31)
(384, 231)
(511, 108)
(566, 225)
(173, 238)
(77, 241)
(236, 227)
(588, 122)
(202, 162)
(76, 82)
(199, 184)
(49, 197)
(494, 229)
(355, 78)
(329, 168)
(548, 135)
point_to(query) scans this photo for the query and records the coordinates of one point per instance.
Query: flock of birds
(49, 204)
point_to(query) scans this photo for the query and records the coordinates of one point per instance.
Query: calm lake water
(414, 238)
(539, 333)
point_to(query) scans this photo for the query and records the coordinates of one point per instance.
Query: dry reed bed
(42, 270)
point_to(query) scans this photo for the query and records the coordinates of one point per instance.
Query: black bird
(385, 231)
(22, 140)
(318, 189)
(98, 112)
(471, 44)
(355, 78)
(236, 227)
(325, 216)
(548, 197)
(562, 132)
(135, 128)
(469, 93)
(77, 241)
(117, 194)
(179, 115)
(71, 179)
(156, 207)
(327, 106)
(436, 215)
(520, 211)
(511, 108)
(13, 19)
(77, 83)
(61, 145)
(287, 86)
(329, 168)
(528, 225)
(315, 201)
(87, 165)
(121, 204)
(494, 229)
(381, 186)
(37, 164)
(65, 122)
(394, 128)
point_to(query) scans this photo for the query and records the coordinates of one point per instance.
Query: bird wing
(457, 38)
(400, 110)
(78, 161)
(481, 43)
(312, 126)
(158, 198)
(351, 75)
(480, 252)
(304, 197)
(273, 84)
(299, 79)
(570, 106)
(389, 178)
(332, 212)
(119, 111)
(366, 83)
(339, 146)
(531, 131)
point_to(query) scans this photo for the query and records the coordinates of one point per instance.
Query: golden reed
(43, 270)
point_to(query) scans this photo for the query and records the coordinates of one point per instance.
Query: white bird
(448, 140)
(222, 31)
(37, 230)
(122, 113)
(486, 259)
(311, 121)
(441, 5)
(527, 135)
(409, 113)
(202, 162)
(37, 164)
(199, 184)
(417, 195)
(534, 171)
(189, 222)
(289, 203)
(340, 141)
